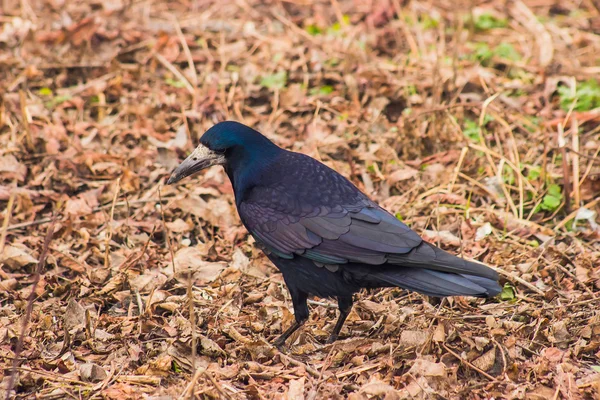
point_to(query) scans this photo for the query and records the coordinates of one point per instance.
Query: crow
(325, 236)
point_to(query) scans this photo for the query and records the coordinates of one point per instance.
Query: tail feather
(436, 283)
(431, 257)
(490, 285)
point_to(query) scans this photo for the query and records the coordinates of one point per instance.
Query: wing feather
(317, 214)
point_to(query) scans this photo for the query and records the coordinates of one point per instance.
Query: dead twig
(8, 214)
(36, 278)
(469, 364)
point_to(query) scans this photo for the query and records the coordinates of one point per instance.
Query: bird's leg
(345, 305)
(288, 332)
(300, 314)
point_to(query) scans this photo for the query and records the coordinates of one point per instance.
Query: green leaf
(336, 27)
(274, 81)
(487, 21)
(586, 96)
(277, 57)
(550, 203)
(471, 130)
(45, 91)
(399, 216)
(176, 367)
(552, 199)
(596, 368)
(482, 53)
(507, 51)
(429, 22)
(508, 176)
(554, 190)
(323, 90)
(58, 100)
(508, 292)
(313, 30)
(175, 83)
(534, 173)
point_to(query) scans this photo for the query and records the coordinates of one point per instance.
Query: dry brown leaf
(239, 260)
(296, 389)
(402, 175)
(82, 204)
(423, 367)
(378, 388)
(486, 361)
(413, 338)
(371, 306)
(439, 335)
(553, 354)
(74, 316)
(16, 256)
(541, 392)
(147, 282)
(11, 168)
(90, 372)
(445, 237)
(190, 260)
(210, 348)
(160, 366)
(179, 226)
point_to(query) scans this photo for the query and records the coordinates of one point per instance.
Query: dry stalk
(7, 217)
(109, 226)
(36, 278)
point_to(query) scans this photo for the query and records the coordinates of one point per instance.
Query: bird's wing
(308, 210)
(338, 234)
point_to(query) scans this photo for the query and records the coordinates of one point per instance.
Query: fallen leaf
(16, 256)
(147, 282)
(189, 260)
(296, 389)
(439, 335)
(11, 168)
(552, 354)
(74, 316)
(402, 175)
(179, 226)
(422, 367)
(378, 388)
(445, 237)
(486, 361)
(90, 372)
(413, 338)
(483, 231)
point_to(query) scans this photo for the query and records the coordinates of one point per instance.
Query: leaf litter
(476, 126)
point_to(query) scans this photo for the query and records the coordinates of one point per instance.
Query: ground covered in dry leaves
(476, 126)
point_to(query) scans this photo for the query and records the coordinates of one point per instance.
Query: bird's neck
(246, 166)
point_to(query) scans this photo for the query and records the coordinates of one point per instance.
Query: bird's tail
(436, 283)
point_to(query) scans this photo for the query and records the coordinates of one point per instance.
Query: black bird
(326, 237)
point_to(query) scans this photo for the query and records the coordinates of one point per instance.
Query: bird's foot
(279, 343)
(282, 348)
(332, 338)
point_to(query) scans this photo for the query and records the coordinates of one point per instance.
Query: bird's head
(228, 143)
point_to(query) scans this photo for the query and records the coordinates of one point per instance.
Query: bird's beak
(201, 158)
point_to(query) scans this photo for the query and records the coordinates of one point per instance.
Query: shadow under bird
(326, 237)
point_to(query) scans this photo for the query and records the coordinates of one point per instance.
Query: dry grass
(475, 122)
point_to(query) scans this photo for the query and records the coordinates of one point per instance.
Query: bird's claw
(332, 338)
(280, 344)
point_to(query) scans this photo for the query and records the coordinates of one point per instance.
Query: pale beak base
(201, 158)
